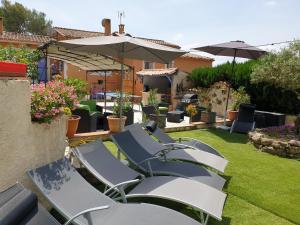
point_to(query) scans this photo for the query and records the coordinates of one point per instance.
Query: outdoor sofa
(19, 206)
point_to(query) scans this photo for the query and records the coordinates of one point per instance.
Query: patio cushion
(86, 107)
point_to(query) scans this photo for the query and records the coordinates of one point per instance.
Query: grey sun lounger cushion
(145, 161)
(19, 206)
(185, 152)
(166, 139)
(70, 193)
(109, 170)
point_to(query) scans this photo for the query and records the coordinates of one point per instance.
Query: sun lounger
(179, 152)
(245, 120)
(153, 164)
(19, 206)
(73, 196)
(182, 141)
(109, 170)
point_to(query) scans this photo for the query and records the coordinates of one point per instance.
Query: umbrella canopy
(124, 46)
(233, 48)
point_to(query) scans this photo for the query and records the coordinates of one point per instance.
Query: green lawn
(262, 189)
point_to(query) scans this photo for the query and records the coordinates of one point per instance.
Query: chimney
(107, 26)
(1, 26)
(121, 29)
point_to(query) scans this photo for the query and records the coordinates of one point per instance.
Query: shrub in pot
(159, 118)
(239, 96)
(115, 123)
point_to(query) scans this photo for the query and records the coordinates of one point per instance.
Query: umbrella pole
(121, 83)
(228, 93)
(105, 91)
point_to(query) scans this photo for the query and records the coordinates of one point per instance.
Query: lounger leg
(119, 154)
(150, 169)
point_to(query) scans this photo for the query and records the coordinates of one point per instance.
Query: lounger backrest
(131, 148)
(246, 113)
(162, 136)
(99, 161)
(66, 189)
(145, 139)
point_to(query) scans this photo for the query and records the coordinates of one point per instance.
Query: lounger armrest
(122, 184)
(148, 159)
(180, 139)
(86, 211)
(179, 146)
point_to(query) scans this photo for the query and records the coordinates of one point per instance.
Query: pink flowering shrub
(49, 101)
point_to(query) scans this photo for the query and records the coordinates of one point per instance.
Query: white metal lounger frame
(119, 189)
(86, 214)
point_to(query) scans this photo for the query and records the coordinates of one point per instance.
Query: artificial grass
(262, 188)
(266, 181)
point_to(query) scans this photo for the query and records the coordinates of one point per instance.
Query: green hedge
(263, 95)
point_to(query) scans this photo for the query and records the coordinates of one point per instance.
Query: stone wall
(218, 95)
(25, 145)
(289, 149)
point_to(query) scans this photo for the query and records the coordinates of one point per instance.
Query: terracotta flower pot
(72, 122)
(114, 123)
(232, 115)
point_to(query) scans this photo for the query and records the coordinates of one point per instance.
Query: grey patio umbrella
(236, 49)
(124, 47)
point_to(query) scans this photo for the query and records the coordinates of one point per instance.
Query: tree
(280, 69)
(18, 18)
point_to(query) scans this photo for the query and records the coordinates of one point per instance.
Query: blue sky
(189, 23)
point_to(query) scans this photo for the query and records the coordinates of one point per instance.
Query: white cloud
(271, 3)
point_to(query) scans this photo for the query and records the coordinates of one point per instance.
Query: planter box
(159, 119)
(208, 117)
(12, 69)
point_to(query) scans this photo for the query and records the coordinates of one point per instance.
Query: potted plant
(115, 123)
(191, 110)
(72, 122)
(207, 115)
(239, 96)
(48, 102)
(159, 118)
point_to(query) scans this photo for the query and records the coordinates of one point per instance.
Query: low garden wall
(24, 144)
(284, 148)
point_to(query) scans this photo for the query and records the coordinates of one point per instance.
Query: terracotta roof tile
(75, 33)
(26, 38)
(157, 72)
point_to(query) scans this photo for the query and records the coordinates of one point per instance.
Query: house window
(170, 64)
(148, 65)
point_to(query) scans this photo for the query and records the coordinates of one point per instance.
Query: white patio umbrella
(124, 47)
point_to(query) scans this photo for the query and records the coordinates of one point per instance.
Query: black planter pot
(130, 117)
